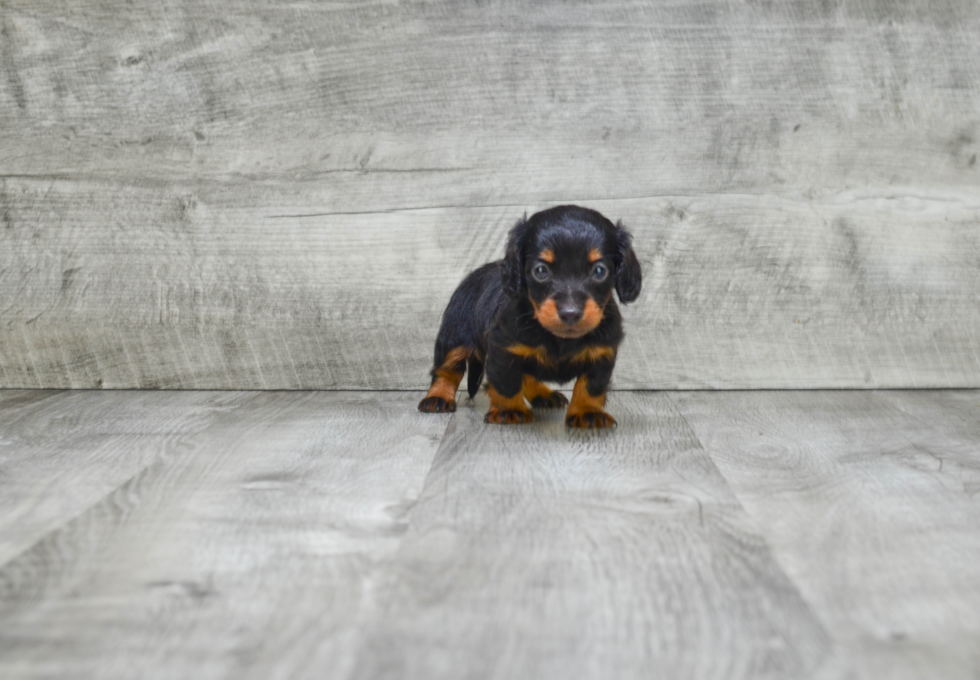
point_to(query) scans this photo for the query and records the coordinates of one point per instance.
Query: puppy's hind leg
(542, 396)
(474, 374)
(446, 376)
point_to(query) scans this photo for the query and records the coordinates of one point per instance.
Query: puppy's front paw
(553, 400)
(507, 417)
(590, 420)
(437, 405)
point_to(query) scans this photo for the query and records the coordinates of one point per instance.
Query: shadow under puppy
(543, 313)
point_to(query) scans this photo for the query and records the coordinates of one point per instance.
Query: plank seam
(129, 480)
(757, 527)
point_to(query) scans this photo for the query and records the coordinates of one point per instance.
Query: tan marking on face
(594, 354)
(591, 315)
(535, 388)
(539, 354)
(595, 255)
(547, 255)
(582, 401)
(547, 315)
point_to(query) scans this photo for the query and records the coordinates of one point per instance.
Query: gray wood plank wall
(206, 195)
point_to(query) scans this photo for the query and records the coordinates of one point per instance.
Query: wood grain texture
(345, 535)
(870, 502)
(283, 195)
(535, 552)
(248, 552)
(60, 453)
(708, 94)
(219, 290)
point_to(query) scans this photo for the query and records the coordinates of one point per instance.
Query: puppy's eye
(540, 272)
(600, 272)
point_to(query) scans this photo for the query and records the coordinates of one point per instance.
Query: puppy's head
(567, 260)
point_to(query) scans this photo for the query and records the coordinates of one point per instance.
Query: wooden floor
(344, 535)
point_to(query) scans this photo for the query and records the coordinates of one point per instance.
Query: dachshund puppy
(543, 313)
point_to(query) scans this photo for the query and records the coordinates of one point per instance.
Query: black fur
(494, 307)
(512, 266)
(628, 274)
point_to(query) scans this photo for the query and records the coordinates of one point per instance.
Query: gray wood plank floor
(871, 502)
(344, 535)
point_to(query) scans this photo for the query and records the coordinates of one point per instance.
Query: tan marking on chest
(594, 354)
(539, 354)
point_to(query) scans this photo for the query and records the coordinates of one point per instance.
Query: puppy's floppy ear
(512, 271)
(628, 275)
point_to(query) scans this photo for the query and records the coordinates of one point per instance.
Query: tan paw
(590, 420)
(437, 405)
(508, 417)
(553, 400)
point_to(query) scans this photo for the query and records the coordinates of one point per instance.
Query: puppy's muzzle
(570, 306)
(570, 313)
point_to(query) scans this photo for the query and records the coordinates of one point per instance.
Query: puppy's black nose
(569, 314)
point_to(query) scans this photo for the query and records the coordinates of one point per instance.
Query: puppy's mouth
(548, 316)
(568, 333)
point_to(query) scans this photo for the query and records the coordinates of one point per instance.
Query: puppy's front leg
(506, 378)
(588, 399)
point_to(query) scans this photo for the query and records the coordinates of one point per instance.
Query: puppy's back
(471, 310)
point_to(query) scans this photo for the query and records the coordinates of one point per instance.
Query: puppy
(543, 313)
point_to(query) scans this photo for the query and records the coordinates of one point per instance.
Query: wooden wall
(204, 194)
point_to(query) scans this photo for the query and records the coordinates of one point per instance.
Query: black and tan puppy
(543, 313)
